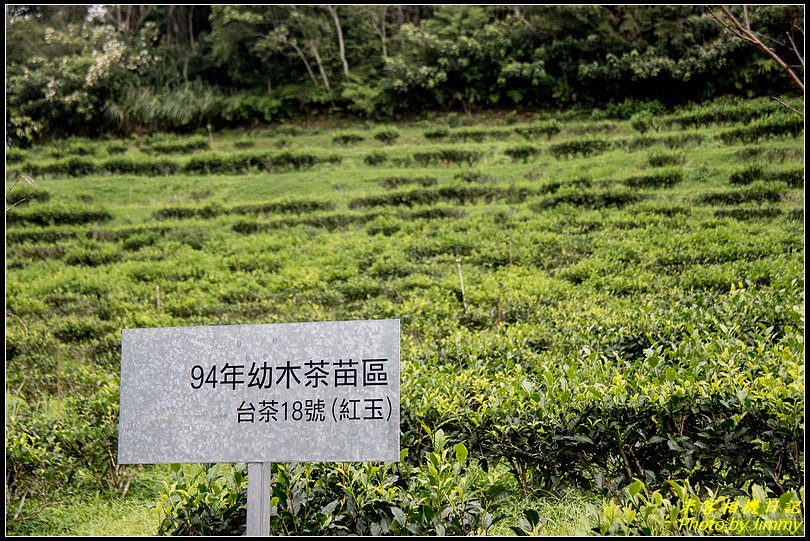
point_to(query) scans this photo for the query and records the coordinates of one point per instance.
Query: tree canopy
(110, 69)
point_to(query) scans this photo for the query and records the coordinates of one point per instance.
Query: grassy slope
(311, 255)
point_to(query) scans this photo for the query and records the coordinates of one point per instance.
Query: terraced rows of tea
(631, 307)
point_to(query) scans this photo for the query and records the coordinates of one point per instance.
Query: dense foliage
(91, 71)
(631, 321)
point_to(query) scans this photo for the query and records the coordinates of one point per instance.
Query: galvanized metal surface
(164, 419)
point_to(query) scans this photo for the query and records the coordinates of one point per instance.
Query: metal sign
(297, 392)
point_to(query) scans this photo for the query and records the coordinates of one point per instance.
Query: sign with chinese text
(293, 392)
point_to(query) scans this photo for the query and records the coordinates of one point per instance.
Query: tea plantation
(627, 344)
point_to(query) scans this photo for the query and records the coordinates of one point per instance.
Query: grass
(96, 516)
(567, 513)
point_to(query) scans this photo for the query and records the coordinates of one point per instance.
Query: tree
(743, 30)
(333, 12)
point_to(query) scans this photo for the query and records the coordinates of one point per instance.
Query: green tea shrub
(685, 140)
(588, 198)
(348, 139)
(385, 225)
(387, 136)
(176, 146)
(783, 125)
(660, 179)
(744, 213)
(80, 149)
(210, 502)
(478, 177)
(141, 166)
(431, 498)
(439, 132)
(665, 159)
(643, 122)
(476, 135)
(20, 235)
(522, 153)
(456, 194)
(591, 128)
(794, 178)
(547, 129)
(757, 192)
(625, 110)
(92, 254)
(75, 450)
(243, 144)
(16, 155)
(292, 206)
(436, 213)
(57, 215)
(24, 193)
(116, 147)
(176, 213)
(135, 242)
(288, 130)
(392, 183)
(447, 156)
(747, 175)
(770, 154)
(375, 158)
(582, 148)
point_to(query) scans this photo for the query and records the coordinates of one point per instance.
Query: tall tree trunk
(169, 21)
(314, 51)
(191, 26)
(127, 28)
(381, 33)
(143, 12)
(333, 11)
(303, 57)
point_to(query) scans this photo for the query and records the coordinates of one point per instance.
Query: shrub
(116, 147)
(433, 498)
(643, 122)
(375, 158)
(775, 126)
(758, 192)
(178, 146)
(583, 148)
(212, 502)
(664, 159)
(522, 153)
(547, 129)
(15, 155)
(589, 198)
(661, 179)
(243, 144)
(387, 136)
(474, 176)
(447, 156)
(296, 206)
(92, 254)
(347, 139)
(747, 175)
(439, 132)
(57, 215)
(392, 183)
(749, 213)
(24, 193)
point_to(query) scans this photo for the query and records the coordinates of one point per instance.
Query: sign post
(257, 394)
(258, 499)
